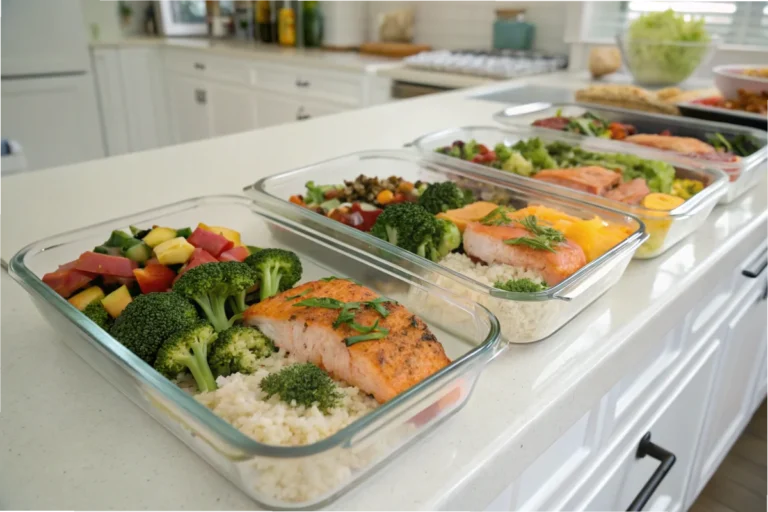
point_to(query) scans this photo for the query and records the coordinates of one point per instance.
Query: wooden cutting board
(398, 50)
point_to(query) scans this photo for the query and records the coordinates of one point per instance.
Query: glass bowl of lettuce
(663, 48)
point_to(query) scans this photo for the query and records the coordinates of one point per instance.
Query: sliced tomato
(235, 254)
(213, 243)
(105, 264)
(68, 266)
(482, 149)
(152, 261)
(490, 156)
(199, 256)
(154, 278)
(109, 281)
(66, 281)
(369, 216)
(478, 159)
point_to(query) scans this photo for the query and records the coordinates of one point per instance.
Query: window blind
(743, 23)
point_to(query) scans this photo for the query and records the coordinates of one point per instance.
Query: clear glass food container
(743, 174)
(665, 228)
(275, 476)
(524, 317)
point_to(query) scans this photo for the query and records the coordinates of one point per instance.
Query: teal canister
(511, 31)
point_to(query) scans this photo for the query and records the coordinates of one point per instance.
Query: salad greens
(741, 145)
(652, 52)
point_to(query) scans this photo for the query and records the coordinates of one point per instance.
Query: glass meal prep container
(275, 476)
(742, 174)
(524, 317)
(665, 228)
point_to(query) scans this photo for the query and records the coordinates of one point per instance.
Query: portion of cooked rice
(240, 401)
(521, 321)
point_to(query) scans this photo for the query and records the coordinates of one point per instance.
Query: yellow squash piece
(159, 235)
(85, 297)
(662, 202)
(116, 301)
(470, 213)
(230, 234)
(174, 251)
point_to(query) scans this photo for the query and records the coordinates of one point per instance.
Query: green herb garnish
(366, 337)
(347, 315)
(522, 285)
(321, 302)
(536, 242)
(333, 278)
(299, 295)
(498, 217)
(377, 305)
(543, 239)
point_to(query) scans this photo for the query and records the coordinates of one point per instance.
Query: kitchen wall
(105, 15)
(468, 25)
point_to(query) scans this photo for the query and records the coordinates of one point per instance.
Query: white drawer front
(341, 88)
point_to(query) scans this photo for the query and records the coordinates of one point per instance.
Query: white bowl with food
(730, 78)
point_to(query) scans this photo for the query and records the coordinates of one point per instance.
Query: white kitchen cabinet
(231, 109)
(111, 94)
(188, 98)
(675, 428)
(277, 109)
(55, 119)
(740, 368)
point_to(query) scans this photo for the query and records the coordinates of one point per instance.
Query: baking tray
(524, 317)
(743, 175)
(275, 476)
(665, 229)
(723, 115)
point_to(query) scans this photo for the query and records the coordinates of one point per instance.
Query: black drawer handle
(199, 66)
(667, 459)
(302, 83)
(757, 267)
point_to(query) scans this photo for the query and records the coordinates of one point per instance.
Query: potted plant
(126, 13)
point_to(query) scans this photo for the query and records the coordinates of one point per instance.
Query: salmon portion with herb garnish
(353, 334)
(526, 244)
(593, 179)
(671, 143)
(630, 192)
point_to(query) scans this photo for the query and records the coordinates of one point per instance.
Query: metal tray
(275, 476)
(665, 229)
(743, 174)
(524, 317)
(723, 115)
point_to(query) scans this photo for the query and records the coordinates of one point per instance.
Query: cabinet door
(276, 109)
(188, 98)
(114, 114)
(232, 109)
(733, 394)
(55, 119)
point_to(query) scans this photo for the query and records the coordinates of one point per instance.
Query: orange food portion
(386, 367)
(671, 143)
(630, 192)
(592, 179)
(487, 243)
(470, 213)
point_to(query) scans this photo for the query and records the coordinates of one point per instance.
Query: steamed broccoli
(238, 349)
(150, 319)
(96, 312)
(212, 285)
(502, 151)
(305, 384)
(522, 285)
(409, 226)
(188, 350)
(441, 197)
(276, 270)
(517, 164)
(448, 237)
(535, 152)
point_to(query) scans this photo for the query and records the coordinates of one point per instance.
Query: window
(734, 22)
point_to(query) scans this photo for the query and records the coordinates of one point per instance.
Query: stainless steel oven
(402, 90)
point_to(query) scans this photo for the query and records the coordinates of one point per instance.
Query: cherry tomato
(482, 149)
(369, 216)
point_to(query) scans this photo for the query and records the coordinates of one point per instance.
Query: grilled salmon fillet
(486, 243)
(671, 143)
(384, 368)
(630, 192)
(593, 179)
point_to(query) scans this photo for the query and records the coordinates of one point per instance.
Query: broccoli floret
(441, 197)
(238, 349)
(409, 226)
(150, 319)
(471, 149)
(522, 285)
(517, 164)
(213, 285)
(188, 350)
(96, 312)
(535, 152)
(502, 151)
(448, 237)
(306, 384)
(276, 270)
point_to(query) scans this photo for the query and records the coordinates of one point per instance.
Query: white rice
(521, 321)
(240, 401)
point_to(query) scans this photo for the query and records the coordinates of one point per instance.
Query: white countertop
(315, 57)
(71, 441)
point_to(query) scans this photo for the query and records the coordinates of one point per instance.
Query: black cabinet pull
(201, 96)
(199, 66)
(302, 83)
(760, 264)
(667, 459)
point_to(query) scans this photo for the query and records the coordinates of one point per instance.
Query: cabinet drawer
(675, 427)
(340, 88)
(201, 65)
(188, 62)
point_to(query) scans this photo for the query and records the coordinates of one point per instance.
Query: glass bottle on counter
(264, 30)
(286, 31)
(313, 23)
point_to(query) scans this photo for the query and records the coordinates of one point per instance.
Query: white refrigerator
(49, 103)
